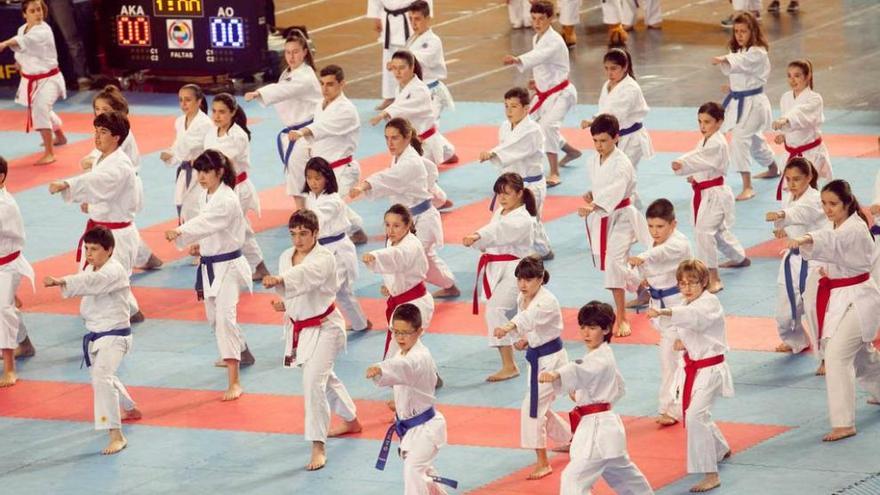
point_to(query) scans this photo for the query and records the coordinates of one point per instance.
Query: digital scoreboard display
(196, 36)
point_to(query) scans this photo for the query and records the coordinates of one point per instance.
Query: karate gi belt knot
(740, 97)
(401, 426)
(208, 262)
(533, 354)
(93, 336)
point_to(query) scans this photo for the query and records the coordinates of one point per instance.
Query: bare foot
(346, 428)
(8, 379)
(820, 371)
(45, 160)
(260, 271)
(709, 482)
(451, 160)
(540, 472)
(839, 434)
(569, 157)
(553, 181)
(115, 446)
(234, 392)
(772, 172)
(447, 293)
(154, 263)
(746, 195)
(736, 264)
(783, 347)
(319, 458)
(715, 288)
(622, 329)
(132, 414)
(503, 374)
(665, 420)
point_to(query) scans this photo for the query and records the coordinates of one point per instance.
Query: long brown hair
(514, 182)
(298, 37)
(757, 35)
(238, 115)
(841, 189)
(406, 129)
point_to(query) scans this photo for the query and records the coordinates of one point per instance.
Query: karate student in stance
(599, 444)
(323, 199)
(846, 305)
(554, 94)
(655, 268)
(507, 238)
(702, 375)
(190, 130)
(421, 429)
(801, 213)
(104, 288)
(405, 182)
(537, 329)
(713, 202)
(41, 82)
(613, 223)
(520, 150)
(314, 331)
(217, 234)
(294, 97)
(111, 191)
(231, 137)
(14, 340)
(403, 266)
(333, 136)
(802, 115)
(748, 112)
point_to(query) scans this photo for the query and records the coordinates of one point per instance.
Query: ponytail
(806, 68)
(198, 94)
(842, 190)
(410, 60)
(620, 56)
(514, 182)
(806, 167)
(298, 37)
(532, 267)
(406, 129)
(216, 160)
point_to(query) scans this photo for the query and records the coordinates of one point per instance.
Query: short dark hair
(100, 235)
(713, 109)
(531, 267)
(409, 313)
(542, 7)
(597, 314)
(115, 122)
(211, 159)
(335, 71)
(520, 93)
(661, 208)
(320, 165)
(305, 219)
(4, 167)
(420, 6)
(606, 123)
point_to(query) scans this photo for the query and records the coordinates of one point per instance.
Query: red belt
(240, 178)
(430, 132)
(603, 234)
(485, 259)
(392, 302)
(341, 162)
(691, 367)
(826, 285)
(794, 152)
(31, 89)
(698, 188)
(92, 224)
(543, 95)
(9, 258)
(300, 325)
(578, 412)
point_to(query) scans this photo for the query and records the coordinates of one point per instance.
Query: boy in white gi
(314, 331)
(537, 328)
(421, 428)
(14, 340)
(599, 444)
(654, 269)
(702, 375)
(104, 288)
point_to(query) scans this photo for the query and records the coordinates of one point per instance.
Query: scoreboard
(195, 36)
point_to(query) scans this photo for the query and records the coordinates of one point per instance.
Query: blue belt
(186, 166)
(875, 229)
(420, 208)
(529, 179)
(401, 426)
(93, 336)
(789, 283)
(659, 294)
(740, 97)
(631, 129)
(209, 261)
(330, 239)
(434, 84)
(532, 356)
(285, 155)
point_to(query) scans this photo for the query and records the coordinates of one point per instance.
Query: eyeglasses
(690, 283)
(404, 334)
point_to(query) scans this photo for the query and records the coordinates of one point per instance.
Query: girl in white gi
(616, 224)
(41, 81)
(846, 305)
(104, 288)
(231, 137)
(190, 130)
(599, 444)
(13, 266)
(504, 241)
(421, 428)
(801, 213)
(217, 234)
(702, 375)
(713, 205)
(521, 150)
(748, 112)
(655, 270)
(314, 331)
(554, 94)
(403, 266)
(537, 329)
(322, 198)
(802, 114)
(294, 97)
(405, 182)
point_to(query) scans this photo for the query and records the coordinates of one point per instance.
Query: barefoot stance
(346, 428)
(319, 458)
(665, 420)
(709, 482)
(8, 379)
(622, 329)
(783, 347)
(234, 392)
(715, 288)
(733, 264)
(115, 445)
(132, 415)
(839, 434)
(501, 375)
(540, 472)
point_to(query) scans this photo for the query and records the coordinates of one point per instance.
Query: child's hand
(822, 272)
(374, 371)
(52, 282)
(773, 216)
(378, 118)
(548, 377)
(278, 306)
(584, 211)
(57, 186)
(780, 234)
(470, 239)
(84, 207)
(572, 397)
(294, 135)
(500, 332)
(635, 261)
(676, 166)
(779, 139)
(251, 95)
(588, 197)
(875, 209)
(678, 345)
(779, 124)
(719, 60)
(585, 124)
(521, 344)
(725, 88)
(691, 179)
(368, 259)
(652, 313)
(485, 156)
(165, 156)
(194, 250)
(509, 60)
(270, 281)
(384, 291)
(86, 163)
(171, 235)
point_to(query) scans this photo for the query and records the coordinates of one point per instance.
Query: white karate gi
(511, 233)
(875, 263)
(748, 69)
(413, 103)
(548, 61)
(294, 97)
(220, 228)
(330, 209)
(599, 444)
(104, 307)
(627, 103)
(700, 326)
(539, 323)
(12, 329)
(188, 144)
(805, 115)
(630, 12)
(36, 55)
(414, 376)
(237, 147)
(712, 227)
(395, 29)
(428, 50)
(851, 321)
(518, 11)
(309, 289)
(743, 5)
(406, 182)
